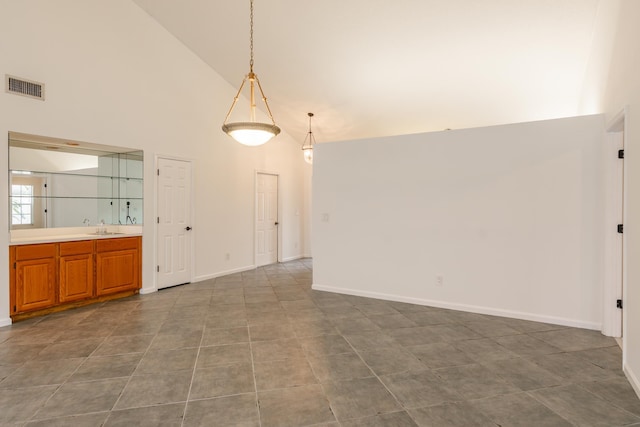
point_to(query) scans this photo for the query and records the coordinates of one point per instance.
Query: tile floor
(262, 349)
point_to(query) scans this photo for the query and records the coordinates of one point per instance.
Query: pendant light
(251, 133)
(307, 145)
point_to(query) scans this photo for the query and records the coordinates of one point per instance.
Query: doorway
(266, 240)
(173, 222)
(613, 297)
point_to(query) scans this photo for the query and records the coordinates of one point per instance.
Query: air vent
(24, 87)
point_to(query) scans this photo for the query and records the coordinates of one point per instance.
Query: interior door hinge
(14, 265)
(158, 172)
(157, 269)
(620, 228)
(619, 303)
(158, 220)
(621, 154)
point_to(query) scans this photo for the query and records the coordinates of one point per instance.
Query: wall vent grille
(24, 87)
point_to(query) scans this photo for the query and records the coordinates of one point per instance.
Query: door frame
(255, 216)
(156, 209)
(615, 271)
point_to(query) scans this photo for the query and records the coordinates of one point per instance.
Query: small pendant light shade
(307, 145)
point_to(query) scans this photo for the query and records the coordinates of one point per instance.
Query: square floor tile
(394, 419)
(523, 373)
(421, 388)
(151, 416)
(359, 398)
(391, 360)
(339, 367)
(34, 373)
(617, 391)
(222, 380)
(450, 414)
(574, 339)
(155, 389)
(519, 410)
(440, 355)
(225, 336)
(239, 410)
(283, 374)
(175, 342)
(20, 404)
(294, 407)
(124, 344)
(264, 351)
(580, 407)
(223, 355)
(160, 361)
(83, 398)
(103, 367)
(474, 381)
(324, 345)
(571, 368)
(86, 420)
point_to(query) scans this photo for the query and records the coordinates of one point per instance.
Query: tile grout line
(253, 365)
(193, 373)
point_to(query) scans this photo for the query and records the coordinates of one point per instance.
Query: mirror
(61, 183)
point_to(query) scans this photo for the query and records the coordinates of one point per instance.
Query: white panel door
(266, 219)
(174, 218)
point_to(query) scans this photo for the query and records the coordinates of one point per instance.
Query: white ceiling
(381, 67)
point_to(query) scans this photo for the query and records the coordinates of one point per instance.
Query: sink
(107, 233)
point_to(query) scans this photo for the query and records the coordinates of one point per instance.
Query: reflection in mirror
(62, 183)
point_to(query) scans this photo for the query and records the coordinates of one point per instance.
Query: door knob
(188, 228)
(276, 223)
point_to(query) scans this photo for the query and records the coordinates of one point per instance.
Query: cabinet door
(117, 271)
(35, 284)
(76, 277)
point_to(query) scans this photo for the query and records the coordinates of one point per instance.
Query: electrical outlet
(325, 217)
(439, 280)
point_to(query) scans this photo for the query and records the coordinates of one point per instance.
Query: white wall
(114, 76)
(509, 215)
(623, 89)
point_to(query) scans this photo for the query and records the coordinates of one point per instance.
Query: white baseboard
(292, 258)
(464, 307)
(222, 273)
(633, 379)
(5, 322)
(145, 291)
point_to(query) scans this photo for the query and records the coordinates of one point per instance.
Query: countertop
(68, 234)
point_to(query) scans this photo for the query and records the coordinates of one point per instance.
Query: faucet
(86, 222)
(102, 229)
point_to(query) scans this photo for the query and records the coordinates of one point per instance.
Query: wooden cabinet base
(67, 306)
(50, 277)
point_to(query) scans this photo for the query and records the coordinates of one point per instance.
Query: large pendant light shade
(251, 133)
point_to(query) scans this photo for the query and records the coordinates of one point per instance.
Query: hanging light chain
(251, 38)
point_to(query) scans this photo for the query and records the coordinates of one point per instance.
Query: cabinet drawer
(46, 250)
(76, 248)
(108, 245)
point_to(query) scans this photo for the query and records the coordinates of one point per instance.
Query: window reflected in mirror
(63, 183)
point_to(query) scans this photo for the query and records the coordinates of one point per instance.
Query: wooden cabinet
(76, 270)
(34, 277)
(53, 276)
(117, 265)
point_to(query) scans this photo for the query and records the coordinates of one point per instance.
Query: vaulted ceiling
(380, 67)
